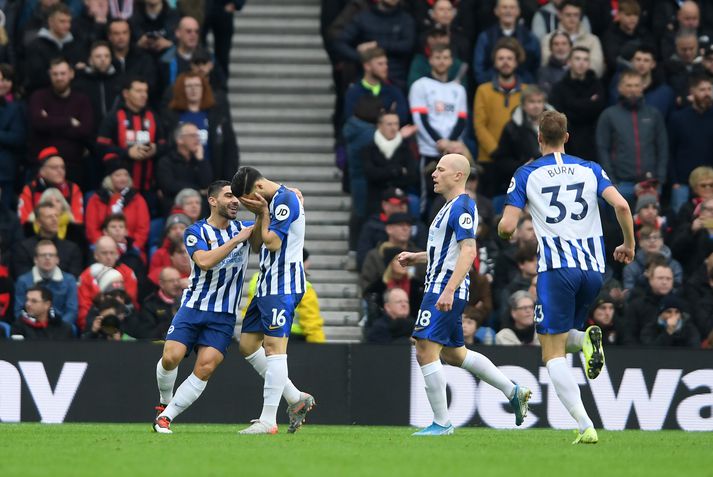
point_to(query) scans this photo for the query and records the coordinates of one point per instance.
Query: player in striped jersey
(205, 321)
(561, 193)
(279, 237)
(450, 253)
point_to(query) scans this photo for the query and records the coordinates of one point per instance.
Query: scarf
(118, 206)
(33, 322)
(386, 146)
(126, 10)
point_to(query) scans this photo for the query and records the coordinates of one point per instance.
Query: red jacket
(159, 260)
(31, 193)
(88, 288)
(135, 210)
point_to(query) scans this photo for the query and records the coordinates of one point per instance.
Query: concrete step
(266, 86)
(288, 159)
(307, 173)
(279, 55)
(250, 129)
(283, 41)
(335, 290)
(320, 217)
(327, 232)
(339, 304)
(312, 115)
(286, 144)
(342, 334)
(327, 247)
(280, 10)
(294, 100)
(277, 25)
(241, 70)
(340, 318)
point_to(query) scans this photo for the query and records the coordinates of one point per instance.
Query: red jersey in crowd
(31, 193)
(131, 204)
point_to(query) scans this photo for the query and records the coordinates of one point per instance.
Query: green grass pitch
(215, 450)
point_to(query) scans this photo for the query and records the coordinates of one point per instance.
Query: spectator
(440, 111)
(114, 226)
(107, 318)
(127, 60)
(375, 82)
(495, 102)
(393, 200)
(701, 186)
(176, 60)
(689, 147)
(10, 229)
(518, 141)
(506, 265)
(389, 162)
(395, 325)
(193, 102)
(22, 256)
(99, 81)
(421, 67)
(570, 17)
(657, 92)
(624, 35)
(474, 334)
(90, 25)
(631, 138)
(688, 17)
(673, 326)
(118, 196)
(47, 274)
(97, 278)
(395, 276)
(175, 225)
(547, 19)
(699, 296)
(203, 64)
(184, 166)
(648, 215)
(12, 133)
(508, 26)
(54, 41)
(526, 260)
(153, 25)
(384, 25)
(643, 309)
(707, 60)
(6, 293)
(68, 227)
(441, 17)
(650, 241)
(580, 95)
(122, 9)
(134, 132)
(691, 240)
(560, 47)
(188, 202)
(604, 315)
(62, 118)
(158, 309)
(219, 20)
(521, 330)
(38, 320)
(398, 230)
(180, 260)
(685, 62)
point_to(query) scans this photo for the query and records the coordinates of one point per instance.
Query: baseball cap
(399, 218)
(394, 195)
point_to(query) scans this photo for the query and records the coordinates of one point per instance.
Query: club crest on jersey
(465, 221)
(282, 212)
(170, 330)
(511, 187)
(604, 175)
(191, 240)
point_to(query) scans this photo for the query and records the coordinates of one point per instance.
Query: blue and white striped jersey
(282, 271)
(562, 192)
(456, 221)
(218, 289)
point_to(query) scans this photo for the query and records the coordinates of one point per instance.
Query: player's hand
(298, 193)
(445, 301)
(255, 203)
(624, 254)
(406, 258)
(244, 234)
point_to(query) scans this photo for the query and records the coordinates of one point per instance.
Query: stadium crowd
(419, 78)
(114, 119)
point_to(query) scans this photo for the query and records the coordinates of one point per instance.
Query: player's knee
(205, 370)
(170, 359)
(246, 349)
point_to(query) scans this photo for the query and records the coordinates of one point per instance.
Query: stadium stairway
(281, 99)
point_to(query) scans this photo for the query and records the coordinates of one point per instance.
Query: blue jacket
(482, 58)
(389, 95)
(691, 142)
(13, 134)
(64, 293)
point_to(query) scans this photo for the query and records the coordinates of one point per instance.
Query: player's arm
(272, 241)
(258, 205)
(625, 252)
(466, 256)
(256, 236)
(508, 223)
(207, 259)
(412, 258)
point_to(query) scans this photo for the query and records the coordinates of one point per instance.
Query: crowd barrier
(647, 389)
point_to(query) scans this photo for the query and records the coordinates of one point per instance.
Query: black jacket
(574, 98)
(654, 334)
(517, 145)
(174, 173)
(381, 173)
(153, 319)
(103, 90)
(39, 54)
(22, 256)
(385, 330)
(137, 64)
(55, 330)
(640, 312)
(690, 248)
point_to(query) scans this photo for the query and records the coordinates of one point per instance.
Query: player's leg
(167, 370)
(554, 317)
(592, 339)
(251, 348)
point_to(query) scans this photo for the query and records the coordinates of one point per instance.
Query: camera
(110, 325)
